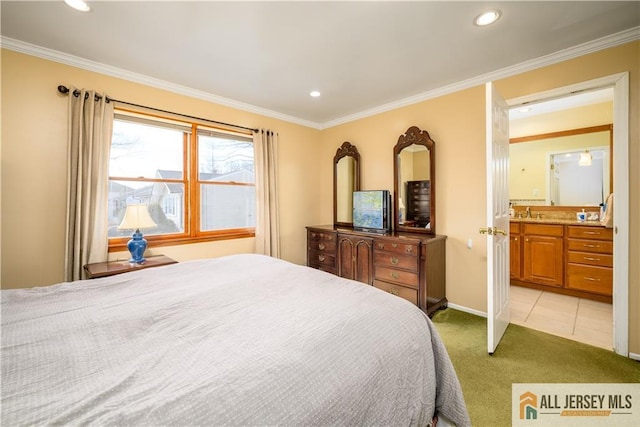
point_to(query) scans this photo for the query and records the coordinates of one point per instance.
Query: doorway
(619, 84)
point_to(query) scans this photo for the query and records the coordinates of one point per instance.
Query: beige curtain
(267, 222)
(90, 130)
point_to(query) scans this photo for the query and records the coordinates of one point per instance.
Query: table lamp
(137, 217)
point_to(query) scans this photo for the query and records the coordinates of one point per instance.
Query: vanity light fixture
(314, 93)
(78, 5)
(487, 18)
(585, 158)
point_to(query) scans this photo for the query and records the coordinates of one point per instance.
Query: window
(198, 182)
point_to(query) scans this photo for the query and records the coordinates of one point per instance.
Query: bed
(236, 340)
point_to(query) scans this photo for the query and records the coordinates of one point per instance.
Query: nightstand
(111, 268)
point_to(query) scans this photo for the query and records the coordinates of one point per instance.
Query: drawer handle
(321, 258)
(394, 245)
(591, 279)
(590, 232)
(380, 245)
(591, 246)
(313, 235)
(393, 291)
(409, 248)
(321, 246)
(588, 258)
(395, 275)
(394, 260)
(330, 238)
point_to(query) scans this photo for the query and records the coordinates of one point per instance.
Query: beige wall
(34, 132)
(456, 123)
(33, 165)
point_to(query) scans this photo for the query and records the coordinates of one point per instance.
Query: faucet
(528, 212)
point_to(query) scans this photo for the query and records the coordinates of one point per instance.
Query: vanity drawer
(594, 233)
(599, 246)
(590, 278)
(602, 260)
(395, 260)
(406, 278)
(408, 248)
(409, 294)
(544, 229)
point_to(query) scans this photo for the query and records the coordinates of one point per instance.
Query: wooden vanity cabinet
(543, 254)
(590, 259)
(515, 251)
(573, 260)
(355, 258)
(408, 265)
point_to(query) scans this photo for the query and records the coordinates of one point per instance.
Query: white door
(498, 314)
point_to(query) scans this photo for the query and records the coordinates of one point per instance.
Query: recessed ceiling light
(78, 5)
(487, 18)
(314, 93)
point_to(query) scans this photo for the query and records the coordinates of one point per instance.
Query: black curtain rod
(65, 90)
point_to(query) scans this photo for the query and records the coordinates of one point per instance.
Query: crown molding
(97, 67)
(613, 40)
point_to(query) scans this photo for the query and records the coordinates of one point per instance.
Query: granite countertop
(560, 221)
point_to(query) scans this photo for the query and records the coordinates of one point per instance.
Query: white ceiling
(364, 57)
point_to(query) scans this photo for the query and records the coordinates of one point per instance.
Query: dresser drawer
(602, 260)
(321, 237)
(409, 294)
(589, 278)
(318, 259)
(401, 277)
(328, 246)
(396, 248)
(394, 260)
(593, 233)
(600, 246)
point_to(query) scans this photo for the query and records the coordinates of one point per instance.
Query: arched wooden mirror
(414, 181)
(346, 180)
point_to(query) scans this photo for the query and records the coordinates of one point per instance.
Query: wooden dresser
(408, 265)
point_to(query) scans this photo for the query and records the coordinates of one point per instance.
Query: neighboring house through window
(199, 182)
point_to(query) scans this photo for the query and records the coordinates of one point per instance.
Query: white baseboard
(634, 356)
(467, 309)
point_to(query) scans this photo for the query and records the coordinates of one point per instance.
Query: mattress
(236, 340)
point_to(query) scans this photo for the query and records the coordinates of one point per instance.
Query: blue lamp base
(137, 245)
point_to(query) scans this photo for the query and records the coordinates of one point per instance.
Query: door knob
(496, 231)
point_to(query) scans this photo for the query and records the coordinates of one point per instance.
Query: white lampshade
(585, 158)
(136, 217)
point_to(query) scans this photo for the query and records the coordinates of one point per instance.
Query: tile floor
(578, 319)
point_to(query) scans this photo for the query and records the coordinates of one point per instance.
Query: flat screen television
(372, 211)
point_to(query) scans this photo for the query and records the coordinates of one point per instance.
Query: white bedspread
(237, 340)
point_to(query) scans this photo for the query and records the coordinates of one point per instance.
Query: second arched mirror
(346, 180)
(414, 180)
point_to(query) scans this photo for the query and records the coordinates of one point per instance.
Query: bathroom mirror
(566, 168)
(414, 181)
(346, 180)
